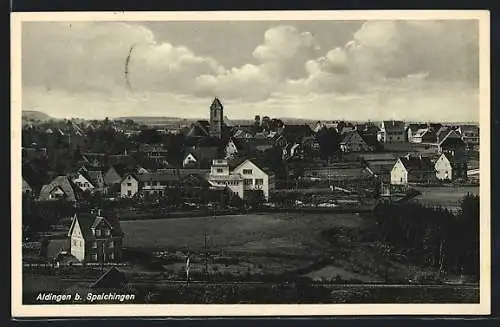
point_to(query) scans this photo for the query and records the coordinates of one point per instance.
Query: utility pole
(206, 257)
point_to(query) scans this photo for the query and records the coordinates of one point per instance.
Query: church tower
(216, 118)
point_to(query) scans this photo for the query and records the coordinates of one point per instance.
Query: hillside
(35, 115)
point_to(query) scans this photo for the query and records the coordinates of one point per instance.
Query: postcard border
(128, 310)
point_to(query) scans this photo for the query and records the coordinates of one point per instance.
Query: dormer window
(108, 232)
(97, 232)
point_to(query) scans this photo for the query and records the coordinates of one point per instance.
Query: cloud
(83, 57)
(280, 57)
(380, 50)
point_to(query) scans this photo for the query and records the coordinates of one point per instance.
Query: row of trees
(434, 236)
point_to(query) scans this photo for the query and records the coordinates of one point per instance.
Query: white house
(444, 168)
(399, 174)
(255, 178)
(221, 176)
(189, 159)
(82, 182)
(129, 186)
(412, 169)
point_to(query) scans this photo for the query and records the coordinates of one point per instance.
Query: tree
(329, 142)
(254, 198)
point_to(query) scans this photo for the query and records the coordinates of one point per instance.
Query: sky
(354, 70)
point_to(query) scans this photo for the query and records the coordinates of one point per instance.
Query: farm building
(412, 129)
(449, 167)
(412, 169)
(354, 142)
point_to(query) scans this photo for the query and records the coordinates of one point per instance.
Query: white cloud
(91, 57)
(281, 57)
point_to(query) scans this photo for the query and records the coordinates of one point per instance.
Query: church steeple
(216, 118)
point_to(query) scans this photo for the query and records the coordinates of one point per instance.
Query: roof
(387, 156)
(417, 163)
(26, 186)
(120, 169)
(449, 137)
(87, 221)
(184, 171)
(261, 164)
(96, 178)
(158, 176)
(420, 132)
(349, 137)
(113, 278)
(216, 103)
(61, 182)
(231, 176)
(415, 127)
(394, 125)
(144, 147)
(297, 130)
(198, 130)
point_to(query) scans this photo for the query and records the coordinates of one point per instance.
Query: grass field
(276, 233)
(446, 196)
(317, 246)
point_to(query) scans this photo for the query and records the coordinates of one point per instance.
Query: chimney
(98, 212)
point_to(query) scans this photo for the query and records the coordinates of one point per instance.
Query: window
(94, 245)
(247, 171)
(111, 245)
(248, 182)
(219, 170)
(93, 257)
(129, 184)
(97, 232)
(259, 182)
(74, 242)
(111, 256)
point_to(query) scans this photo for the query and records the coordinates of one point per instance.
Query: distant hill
(35, 115)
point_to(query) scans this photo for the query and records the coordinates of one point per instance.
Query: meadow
(446, 196)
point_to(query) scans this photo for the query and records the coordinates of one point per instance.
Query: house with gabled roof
(95, 237)
(450, 167)
(129, 185)
(453, 143)
(256, 176)
(60, 188)
(81, 180)
(392, 131)
(424, 135)
(412, 169)
(354, 142)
